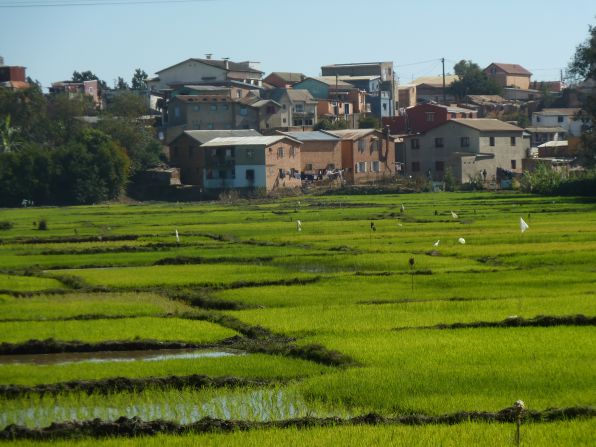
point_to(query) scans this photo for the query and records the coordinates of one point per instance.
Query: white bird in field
(523, 226)
(177, 236)
(403, 208)
(436, 244)
(298, 225)
(453, 215)
(461, 240)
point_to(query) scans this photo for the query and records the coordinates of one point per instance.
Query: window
(177, 112)
(537, 118)
(250, 154)
(250, 175)
(430, 117)
(415, 143)
(330, 167)
(280, 152)
(308, 167)
(464, 142)
(453, 115)
(376, 166)
(439, 166)
(229, 153)
(439, 142)
(513, 164)
(196, 107)
(415, 166)
(560, 118)
(360, 166)
(225, 107)
(361, 145)
(213, 107)
(299, 108)
(385, 106)
(308, 122)
(210, 126)
(513, 141)
(243, 111)
(491, 141)
(292, 151)
(222, 174)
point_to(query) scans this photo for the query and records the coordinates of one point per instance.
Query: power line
(67, 3)
(418, 63)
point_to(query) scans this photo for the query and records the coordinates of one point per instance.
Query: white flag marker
(177, 236)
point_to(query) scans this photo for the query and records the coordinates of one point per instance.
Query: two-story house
(298, 107)
(320, 152)
(205, 71)
(268, 162)
(468, 148)
(367, 155)
(186, 154)
(220, 112)
(509, 75)
(425, 116)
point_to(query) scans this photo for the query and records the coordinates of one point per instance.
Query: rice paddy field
(311, 320)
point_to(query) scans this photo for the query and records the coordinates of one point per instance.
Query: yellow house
(509, 75)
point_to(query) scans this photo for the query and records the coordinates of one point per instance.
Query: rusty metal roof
(486, 124)
(248, 141)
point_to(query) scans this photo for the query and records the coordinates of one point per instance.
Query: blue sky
(113, 40)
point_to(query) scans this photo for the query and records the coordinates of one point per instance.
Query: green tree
(138, 80)
(9, 140)
(583, 67)
(27, 109)
(89, 169)
(472, 81)
(88, 76)
(329, 124)
(369, 122)
(127, 104)
(121, 84)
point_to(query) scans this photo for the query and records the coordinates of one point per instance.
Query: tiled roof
(512, 69)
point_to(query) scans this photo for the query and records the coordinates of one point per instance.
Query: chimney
(226, 62)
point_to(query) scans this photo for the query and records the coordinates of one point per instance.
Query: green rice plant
(95, 331)
(15, 283)
(245, 366)
(77, 304)
(183, 275)
(436, 372)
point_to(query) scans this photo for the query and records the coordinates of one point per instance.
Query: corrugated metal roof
(204, 136)
(300, 95)
(544, 129)
(247, 141)
(332, 81)
(223, 64)
(351, 134)
(314, 135)
(288, 76)
(486, 124)
(560, 143)
(554, 112)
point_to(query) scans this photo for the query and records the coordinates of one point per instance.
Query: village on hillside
(226, 125)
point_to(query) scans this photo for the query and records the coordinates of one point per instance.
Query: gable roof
(222, 64)
(248, 141)
(300, 95)
(287, 76)
(486, 124)
(351, 134)
(331, 81)
(315, 135)
(435, 81)
(570, 111)
(204, 136)
(512, 69)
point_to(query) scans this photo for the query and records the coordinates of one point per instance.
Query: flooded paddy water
(115, 356)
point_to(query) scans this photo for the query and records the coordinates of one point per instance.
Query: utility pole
(444, 94)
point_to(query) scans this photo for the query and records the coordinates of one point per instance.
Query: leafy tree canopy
(583, 67)
(88, 76)
(472, 81)
(138, 79)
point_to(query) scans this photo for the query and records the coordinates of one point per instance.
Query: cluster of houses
(227, 126)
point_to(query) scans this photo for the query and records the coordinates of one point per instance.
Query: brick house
(185, 151)
(366, 154)
(467, 147)
(423, 117)
(269, 162)
(509, 75)
(320, 152)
